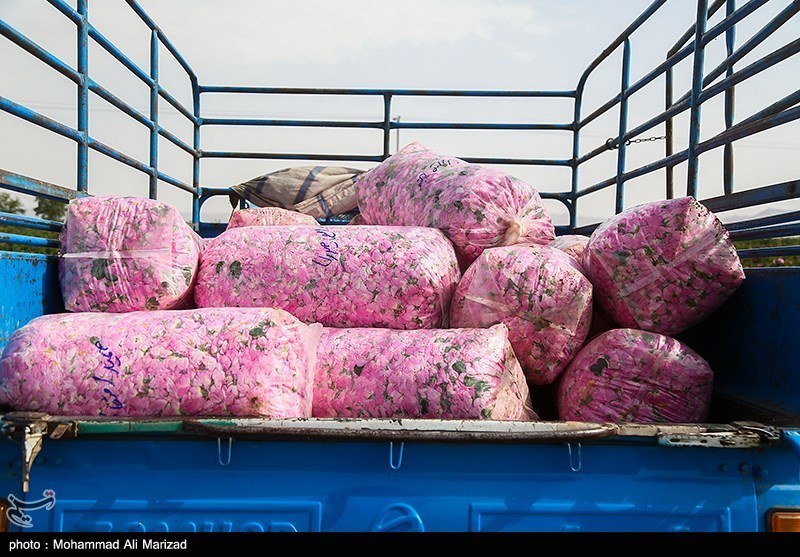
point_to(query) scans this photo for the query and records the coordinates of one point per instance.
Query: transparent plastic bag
(204, 362)
(449, 373)
(340, 276)
(539, 293)
(269, 216)
(662, 266)
(629, 375)
(477, 207)
(121, 254)
(571, 244)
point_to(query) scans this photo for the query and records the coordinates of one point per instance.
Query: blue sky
(472, 44)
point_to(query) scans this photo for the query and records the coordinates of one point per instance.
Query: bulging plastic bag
(448, 373)
(121, 254)
(662, 266)
(628, 375)
(477, 207)
(269, 216)
(340, 276)
(539, 293)
(571, 244)
(206, 362)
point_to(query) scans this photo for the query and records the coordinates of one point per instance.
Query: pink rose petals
(477, 207)
(450, 373)
(539, 293)
(269, 216)
(340, 276)
(207, 362)
(628, 375)
(124, 254)
(662, 266)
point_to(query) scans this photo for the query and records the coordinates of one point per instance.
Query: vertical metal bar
(154, 114)
(668, 149)
(619, 199)
(197, 154)
(697, 87)
(83, 96)
(730, 104)
(387, 114)
(576, 146)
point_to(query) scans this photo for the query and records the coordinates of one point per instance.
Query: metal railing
(705, 85)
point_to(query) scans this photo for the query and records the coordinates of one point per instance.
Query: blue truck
(738, 473)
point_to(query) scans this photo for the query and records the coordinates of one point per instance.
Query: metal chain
(611, 143)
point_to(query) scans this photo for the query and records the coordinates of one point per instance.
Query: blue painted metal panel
(129, 484)
(753, 341)
(30, 289)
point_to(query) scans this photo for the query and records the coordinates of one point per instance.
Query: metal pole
(154, 114)
(83, 96)
(697, 87)
(619, 198)
(396, 135)
(730, 103)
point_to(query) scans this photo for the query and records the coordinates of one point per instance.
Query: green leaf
(151, 304)
(235, 269)
(598, 367)
(479, 216)
(257, 332)
(486, 413)
(423, 402)
(187, 275)
(357, 370)
(218, 267)
(461, 367)
(204, 392)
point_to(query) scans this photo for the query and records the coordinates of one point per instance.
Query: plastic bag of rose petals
(340, 276)
(268, 216)
(662, 266)
(205, 362)
(540, 293)
(477, 207)
(628, 375)
(121, 254)
(447, 373)
(571, 244)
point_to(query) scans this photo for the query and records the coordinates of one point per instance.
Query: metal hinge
(27, 428)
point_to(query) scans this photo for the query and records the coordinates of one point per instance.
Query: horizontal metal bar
(741, 131)
(585, 230)
(175, 140)
(109, 47)
(763, 63)
(676, 58)
(67, 10)
(478, 126)
(176, 104)
(671, 160)
(21, 240)
(638, 22)
(39, 119)
(777, 251)
(786, 102)
(175, 182)
(763, 221)
(118, 103)
(527, 162)
(689, 34)
(289, 156)
(382, 92)
(119, 156)
(563, 196)
(288, 123)
(213, 192)
(778, 231)
(24, 184)
(757, 196)
(785, 15)
(161, 36)
(34, 49)
(25, 221)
